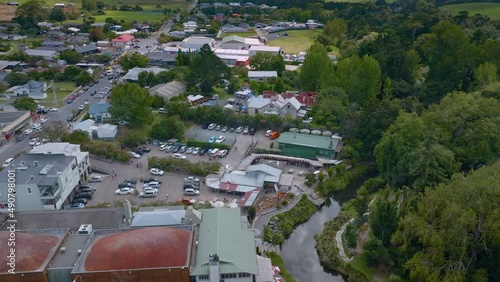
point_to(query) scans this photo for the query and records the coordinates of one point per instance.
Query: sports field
(296, 41)
(492, 10)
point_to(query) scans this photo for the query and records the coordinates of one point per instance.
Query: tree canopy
(207, 70)
(133, 60)
(25, 103)
(130, 102)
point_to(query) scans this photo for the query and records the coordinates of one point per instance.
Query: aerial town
(264, 141)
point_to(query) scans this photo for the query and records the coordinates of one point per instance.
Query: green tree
(133, 60)
(96, 34)
(57, 14)
(452, 235)
(252, 212)
(330, 110)
(335, 28)
(30, 13)
(25, 103)
(158, 102)
(71, 56)
(317, 69)
(168, 128)
(71, 72)
(268, 62)
(179, 60)
(207, 70)
(279, 86)
(16, 78)
(83, 78)
(384, 218)
(485, 74)
(77, 137)
(147, 78)
(89, 5)
(131, 103)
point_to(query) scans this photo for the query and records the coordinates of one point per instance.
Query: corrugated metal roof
(307, 140)
(157, 218)
(221, 233)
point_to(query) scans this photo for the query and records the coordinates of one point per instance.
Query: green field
(492, 10)
(139, 16)
(296, 41)
(63, 89)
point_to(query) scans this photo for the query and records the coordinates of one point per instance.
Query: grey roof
(86, 48)
(49, 42)
(105, 218)
(27, 172)
(266, 273)
(6, 64)
(133, 74)
(157, 218)
(8, 117)
(259, 74)
(223, 231)
(34, 85)
(258, 102)
(52, 48)
(169, 90)
(98, 109)
(68, 258)
(196, 42)
(41, 53)
(160, 56)
(254, 176)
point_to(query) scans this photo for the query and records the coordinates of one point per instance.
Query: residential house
(168, 90)
(56, 35)
(53, 43)
(275, 50)
(190, 25)
(161, 59)
(239, 43)
(58, 49)
(261, 75)
(43, 181)
(87, 49)
(103, 131)
(33, 89)
(8, 64)
(103, 43)
(99, 112)
(123, 40)
(45, 54)
(196, 42)
(107, 131)
(5, 36)
(71, 150)
(276, 105)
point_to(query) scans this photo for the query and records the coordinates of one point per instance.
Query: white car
(220, 139)
(268, 132)
(86, 102)
(222, 153)
(189, 150)
(192, 178)
(163, 147)
(125, 191)
(196, 150)
(8, 162)
(81, 107)
(214, 152)
(28, 131)
(178, 156)
(44, 120)
(37, 144)
(52, 109)
(212, 126)
(239, 129)
(134, 155)
(35, 125)
(98, 96)
(156, 171)
(33, 141)
(96, 178)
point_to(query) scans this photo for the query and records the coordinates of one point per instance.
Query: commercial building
(275, 50)
(43, 181)
(168, 90)
(261, 75)
(12, 123)
(233, 57)
(239, 43)
(196, 42)
(310, 146)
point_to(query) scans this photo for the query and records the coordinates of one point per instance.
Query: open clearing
(7, 12)
(297, 40)
(492, 10)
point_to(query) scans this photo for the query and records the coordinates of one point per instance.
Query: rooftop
(258, 102)
(315, 141)
(72, 244)
(98, 108)
(265, 48)
(34, 249)
(8, 117)
(133, 74)
(6, 64)
(258, 74)
(123, 38)
(151, 247)
(86, 48)
(60, 148)
(169, 90)
(223, 231)
(157, 218)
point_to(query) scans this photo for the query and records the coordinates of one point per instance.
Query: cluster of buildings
(152, 244)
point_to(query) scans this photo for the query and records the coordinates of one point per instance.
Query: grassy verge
(63, 89)
(492, 10)
(359, 264)
(276, 260)
(297, 40)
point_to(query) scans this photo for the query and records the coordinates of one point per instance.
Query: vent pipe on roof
(63, 250)
(79, 252)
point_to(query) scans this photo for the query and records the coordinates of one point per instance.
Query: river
(299, 252)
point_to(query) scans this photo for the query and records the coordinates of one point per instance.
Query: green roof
(307, 140)
(223, 231)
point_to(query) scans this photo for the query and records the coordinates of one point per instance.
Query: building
(99, 112)
(53, 43)
(133, 74)
(160, 216)
(8, 64)
(103, 43)
(123, 40)
(33, 89)
(87, 49)
(276, 105)
(196, 42)
(239, 43)
(13, 123)
(71, 150)
(45, 54)
(226, 248)
(161, 59)
(43, 181)
(261, 75)
(107, 131)
(135, 255)
(233, 28)
(310, 146)
(275, 50)
(168, 90)
(233, 57)
(5, 36)
(104, 131)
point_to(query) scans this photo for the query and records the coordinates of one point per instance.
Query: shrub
(195, 143)
(171, 164)
(284, 203)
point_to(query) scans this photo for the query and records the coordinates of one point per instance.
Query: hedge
(195, 143)
(171, 164)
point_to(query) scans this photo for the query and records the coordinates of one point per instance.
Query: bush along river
(299, 250)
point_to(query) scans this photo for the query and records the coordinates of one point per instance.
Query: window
(28, 190)
(228, 275)
(244, 275)
(203, 277)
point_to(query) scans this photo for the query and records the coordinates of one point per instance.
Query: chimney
(128, 210)
(35, 163)
(214, 269)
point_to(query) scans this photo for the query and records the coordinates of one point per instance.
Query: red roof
(32, 251)
(228, 186)
(152, 247)
(124, 38)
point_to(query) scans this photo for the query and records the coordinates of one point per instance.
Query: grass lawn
(359, 263)
(63, 88)
(140, 16)
(242, 34)
(296, 41)
(492, 10)
(142, 3)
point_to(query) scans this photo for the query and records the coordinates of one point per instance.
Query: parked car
(203, 151)
(224, 129)
(126, 185)
(252, 131)
(88, 187)
(212, 139)
(28, 131)
(134, 155)
(220, 139)
(80, 200)
(76, 206)
(246, 130)
(239, 129)
(191, 192)
(212, 126)
(178, 156)
(148, 194)
(81, 107)
(130, 180)
(196, 151)
(268, 132)
(191, 186)
(70, 118)
(145, 149)
(222, 153)
(187, 201)
(156, 171)
(152, 179)
(183, 149)
(52, 109)
(125, 191)
(34, 141)
(162, 111)
(189, 150)
(8, 162)
(274, 135)
(86, 195)
(152, 184)
(231, 129)
(176, 149)
(163, 147)
(96, 178)
(192, 178)
(44, 120)
(214, 152)
(218, 127)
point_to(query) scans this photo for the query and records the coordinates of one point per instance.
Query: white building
(196, 42)
(239, 43)
(33, 89)
(276, 105)
(133, 74)
(275, 50)
(261, 75)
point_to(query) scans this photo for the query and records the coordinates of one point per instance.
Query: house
(103, 43)
(239, 43)
(72, 150)
(161, 59)
(276, 105)
(196, 42)
(123, 40)
(5, 36)
(45, 54)
(87, 49)
(261, 75)
(169, 90)
(99, 112)
(104, 131)
(226, 248)
(8, 64)
(58, 49)
(33, 89)
(190, 25)
(310, 146)
(313, 24)
(233, 28)
(49, 42)
(13, 123)
(107, 131)
(133, 74)
(275, 50)
(43, 181)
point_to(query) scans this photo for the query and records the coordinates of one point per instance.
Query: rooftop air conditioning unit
(85, 229)
(63, 250)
